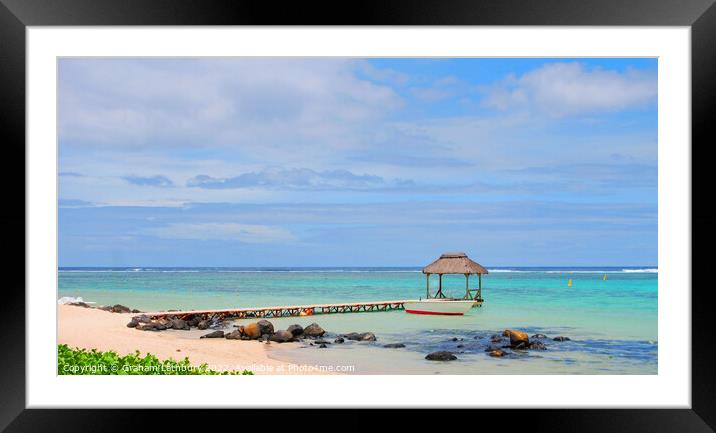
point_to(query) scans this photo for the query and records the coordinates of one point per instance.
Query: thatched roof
(454, 263)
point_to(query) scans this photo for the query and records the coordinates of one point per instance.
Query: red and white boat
(443, 307)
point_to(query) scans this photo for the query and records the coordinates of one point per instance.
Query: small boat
(443, 306)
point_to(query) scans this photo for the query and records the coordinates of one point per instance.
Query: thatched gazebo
(456, 263)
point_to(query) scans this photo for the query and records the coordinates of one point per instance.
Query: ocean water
(612, 322)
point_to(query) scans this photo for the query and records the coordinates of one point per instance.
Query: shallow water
(612, 322)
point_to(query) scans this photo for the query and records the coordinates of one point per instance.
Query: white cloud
(249, 233)
(562, 89)
(205, 102)
(299, 179)
(442, 88)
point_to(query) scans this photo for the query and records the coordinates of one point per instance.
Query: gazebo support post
(427, 286)
(479, 286)
(440, 287)
(467, 286)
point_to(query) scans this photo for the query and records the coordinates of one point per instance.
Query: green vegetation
(81, 361)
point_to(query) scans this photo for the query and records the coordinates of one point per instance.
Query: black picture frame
(16, 15)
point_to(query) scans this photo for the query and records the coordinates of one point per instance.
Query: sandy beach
(91, 328)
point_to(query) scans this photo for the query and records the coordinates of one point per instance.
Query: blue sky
(357, 162)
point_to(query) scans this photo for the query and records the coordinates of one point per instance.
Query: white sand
(90, 328)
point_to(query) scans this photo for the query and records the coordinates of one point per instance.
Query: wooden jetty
(289, 311)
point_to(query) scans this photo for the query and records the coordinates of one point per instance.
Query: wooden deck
(288, 311)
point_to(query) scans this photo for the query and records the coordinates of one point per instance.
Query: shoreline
(93, 328)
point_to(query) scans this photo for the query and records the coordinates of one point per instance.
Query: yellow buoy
(569, 283)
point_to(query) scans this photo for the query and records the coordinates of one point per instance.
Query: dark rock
(132, 324)
(453, 339)
(296, 330)
(80, 304)
(495, 338)
(120, 309)
(322, 342)
(561, 338)
(497, 353)
(520, 346)
(460, 346)
(339, 340)
(537, 345)
(394, 345)
(194, 321)
(149, 326)
(281, 337)
(362, 336)
(142, 319)
(179, 324)
(233, 335)
(491, 348)
(215, 322)
(215, 334)
(368, 336)
(322, 346)
(517, 337)
(539, 336)
(135, 311)
(313, 330)
(265, 327)
(106, 308)
(252, 330)
(203, 324)
(440, 356)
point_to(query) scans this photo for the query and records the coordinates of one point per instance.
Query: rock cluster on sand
(262, 331)
(146, 323)
(513, 342)
(118, 308)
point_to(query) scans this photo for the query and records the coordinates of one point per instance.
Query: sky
(357, 162)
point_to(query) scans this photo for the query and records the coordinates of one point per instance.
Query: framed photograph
(448, 206)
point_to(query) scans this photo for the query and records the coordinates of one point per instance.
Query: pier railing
(287, 311)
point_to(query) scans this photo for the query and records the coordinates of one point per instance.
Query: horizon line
(346, 266)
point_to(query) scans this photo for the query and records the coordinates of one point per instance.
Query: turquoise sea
(612, 322)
